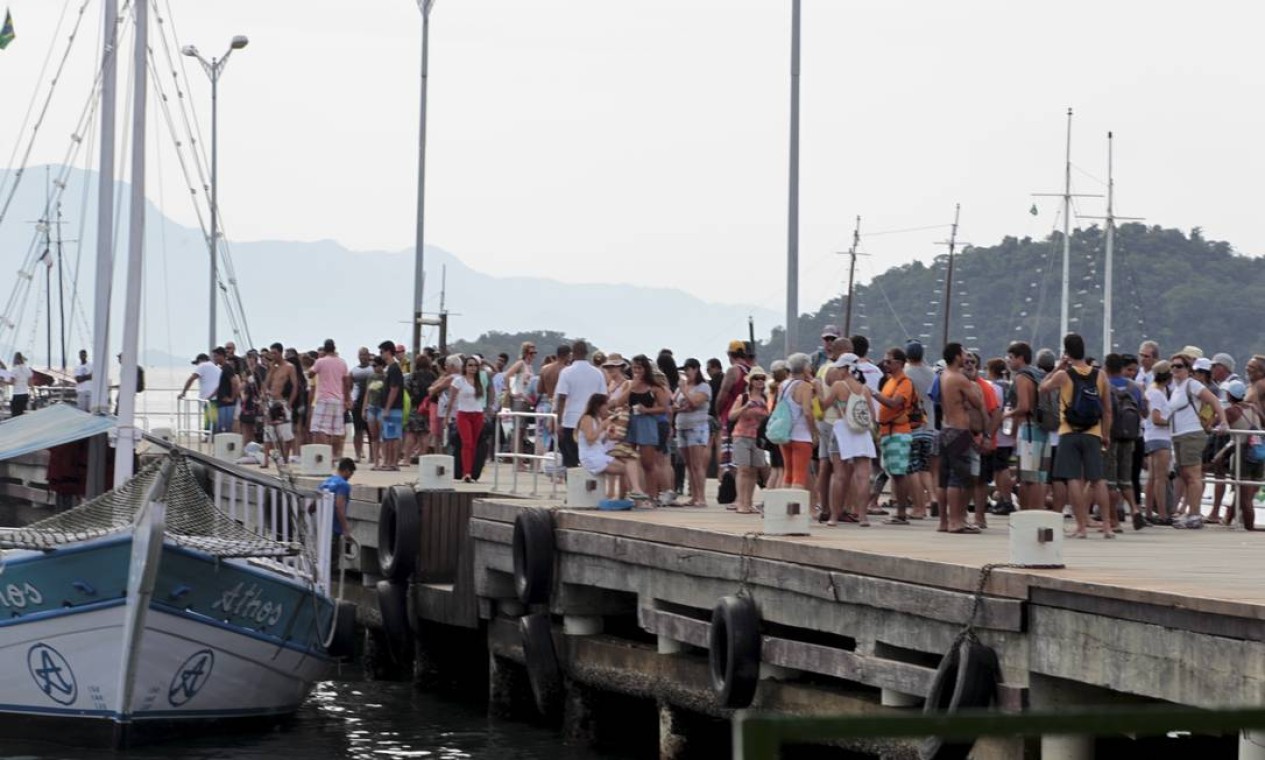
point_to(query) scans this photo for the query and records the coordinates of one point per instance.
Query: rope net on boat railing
(193, 520)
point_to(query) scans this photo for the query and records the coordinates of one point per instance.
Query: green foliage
(492, 343)
(1171, 287)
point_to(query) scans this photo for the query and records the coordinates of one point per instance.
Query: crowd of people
(957, 439)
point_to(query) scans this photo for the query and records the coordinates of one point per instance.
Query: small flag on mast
(1033, 210)
(6, 31)
(47, 259)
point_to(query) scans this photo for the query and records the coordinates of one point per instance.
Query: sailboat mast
(948, 276)
(135, 257)
(46, 259)
(105, 239)
(1107, 282)
(61, 291)
(1067, 230)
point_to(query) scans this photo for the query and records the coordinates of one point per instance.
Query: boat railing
(269, 507)
(1236, 450)
(545, 463)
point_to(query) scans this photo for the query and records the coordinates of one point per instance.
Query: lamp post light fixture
(213, 69)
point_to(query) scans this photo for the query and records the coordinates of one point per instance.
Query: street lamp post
(213, 69)
(419, 267)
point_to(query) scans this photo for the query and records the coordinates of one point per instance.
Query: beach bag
(1085, 409)
(778, 428)
(1254, 446)
(1126, 417)
(857, 414)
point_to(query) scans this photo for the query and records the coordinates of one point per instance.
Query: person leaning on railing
(1243, 452)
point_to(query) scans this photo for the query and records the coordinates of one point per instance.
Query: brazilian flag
(6, 31)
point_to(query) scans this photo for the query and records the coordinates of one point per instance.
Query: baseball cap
(1225, 360)
(737, 346)
(1202, 364)
(201, 358)
(1236, 389)
(757, 372)
(830, 331)
(847, 360)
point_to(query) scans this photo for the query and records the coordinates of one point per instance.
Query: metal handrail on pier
(515, 456)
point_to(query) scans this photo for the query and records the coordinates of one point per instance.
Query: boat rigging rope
(39, 121)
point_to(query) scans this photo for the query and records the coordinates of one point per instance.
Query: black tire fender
(965, 680)
(543, 672)
(343, 645)
(734, 651)
(533, 555)
(393, 605)
(399, 533)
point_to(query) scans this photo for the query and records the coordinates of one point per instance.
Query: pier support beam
(1048, 693)
(508, 690)
(668, 645)
(1252, 745)
(891, 698)
(581, 625)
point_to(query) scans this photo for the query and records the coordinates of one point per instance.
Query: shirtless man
(545, 386)
(958, 395)
(1256, 381)
(281, 388)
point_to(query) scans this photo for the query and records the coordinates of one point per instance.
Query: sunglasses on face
(828, 338)
(1179, 366)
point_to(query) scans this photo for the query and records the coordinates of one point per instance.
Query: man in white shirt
(83, 382)
(207, 374)
(576, 385)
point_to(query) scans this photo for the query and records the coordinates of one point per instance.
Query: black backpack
(1126, 417)
(1085, 409)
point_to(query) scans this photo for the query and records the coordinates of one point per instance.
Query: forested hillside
(1170, 286)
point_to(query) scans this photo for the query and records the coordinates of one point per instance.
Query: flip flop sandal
(896, 521)
(970, 530)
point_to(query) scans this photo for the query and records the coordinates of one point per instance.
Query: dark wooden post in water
(852, 269)
(948, 277)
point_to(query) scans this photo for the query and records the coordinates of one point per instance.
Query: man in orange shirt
(897, 400)
(986, 442)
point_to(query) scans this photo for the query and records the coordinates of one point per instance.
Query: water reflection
(363, 720)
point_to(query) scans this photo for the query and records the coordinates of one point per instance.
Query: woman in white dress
(850, 481)
(595, 450)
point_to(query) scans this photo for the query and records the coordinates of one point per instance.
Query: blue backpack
(1085, 409)
(778, 428)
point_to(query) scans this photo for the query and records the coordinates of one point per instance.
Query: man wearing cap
(1242, 415)
(83, 382)
(1223, 373)
(732, 386)
(207, 375)
(826, 354)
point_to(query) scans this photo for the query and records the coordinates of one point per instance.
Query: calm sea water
(356, 719)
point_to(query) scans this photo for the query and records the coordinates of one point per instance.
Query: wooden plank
(1167, 616)
(839, 663)
(492, 532)
(933, 603)
(798, 655)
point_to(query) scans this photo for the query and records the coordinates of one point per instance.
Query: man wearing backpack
(1127, 409)
(1084, 433)
(1031, 440)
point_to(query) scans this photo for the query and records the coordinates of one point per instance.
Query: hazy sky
(646, 141)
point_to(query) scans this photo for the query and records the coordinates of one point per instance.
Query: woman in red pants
(468, 400)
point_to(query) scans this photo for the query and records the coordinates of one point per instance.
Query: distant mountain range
(300, 293)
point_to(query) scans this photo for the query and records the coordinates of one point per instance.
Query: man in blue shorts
(392, 408)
